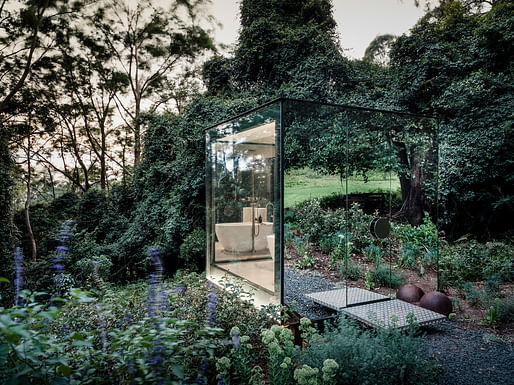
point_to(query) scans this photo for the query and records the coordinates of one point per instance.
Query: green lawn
(300, 185)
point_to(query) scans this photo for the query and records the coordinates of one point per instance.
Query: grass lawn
(300, 185)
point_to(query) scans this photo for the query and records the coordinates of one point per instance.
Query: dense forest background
(102, 111)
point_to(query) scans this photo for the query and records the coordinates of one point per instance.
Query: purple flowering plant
(18, 281)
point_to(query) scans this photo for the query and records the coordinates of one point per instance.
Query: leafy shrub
(381, 356)
(373, 253)
(90, 269)
(328, 243)
(383, 276)
(473, 261)
(305, 262)
(351, 271)
(192, 250)
(418, 244)
(309, 217)
(358, 226)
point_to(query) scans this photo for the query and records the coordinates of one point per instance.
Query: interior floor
(259, 272)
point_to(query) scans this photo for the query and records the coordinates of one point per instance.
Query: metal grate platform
(374, 309)
(392, 313)
(336, 299)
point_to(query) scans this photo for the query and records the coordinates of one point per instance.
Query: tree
(28, 31)
(148, 44)
(378, 50)
(458, 63)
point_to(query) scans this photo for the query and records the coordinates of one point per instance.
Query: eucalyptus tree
(28, 32)
(84, 84)
(150, 44)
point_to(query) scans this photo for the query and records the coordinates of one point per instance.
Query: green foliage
(281, 352)
(418, 244)
(382, 356)
(351, 271)
(457, 63)
(369, 284)
(305, 262)
(6, 196)
(192, 250)
(385, 276)
(92, 269)
(320, 224)
(92, 337)
(493, 316)
(329, 242)
(473, 261)
(373, 253)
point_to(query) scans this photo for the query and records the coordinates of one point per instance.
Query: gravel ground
(296, 284)
(469, 356)
(466, 356)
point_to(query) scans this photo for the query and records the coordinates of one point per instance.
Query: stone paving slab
(392, 313)
(337, 299)
(374, 309)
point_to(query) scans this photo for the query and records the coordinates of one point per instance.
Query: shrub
(384, 276)
(418, 244)
(90, 269)
(309, 217)
(192, 250)
(382, 356)
(373, 253)
(351, 271)
(328, 243)
(473, 261)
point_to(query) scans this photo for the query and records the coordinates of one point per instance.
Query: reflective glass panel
(243, 198)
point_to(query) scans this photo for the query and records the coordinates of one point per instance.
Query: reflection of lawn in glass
(300, 185)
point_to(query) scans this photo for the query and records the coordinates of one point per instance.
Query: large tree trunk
(411, 181)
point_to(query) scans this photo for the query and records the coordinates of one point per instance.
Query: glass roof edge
(269, 103)
(344, 106)
(360, 108)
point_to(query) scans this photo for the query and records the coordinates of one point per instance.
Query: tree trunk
(28, 197)
(137, 133)
(411, 181)
(103, 150)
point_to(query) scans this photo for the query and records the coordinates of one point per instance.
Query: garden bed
(322, 277)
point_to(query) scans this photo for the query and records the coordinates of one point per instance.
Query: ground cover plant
(179, 331)
(337, 244)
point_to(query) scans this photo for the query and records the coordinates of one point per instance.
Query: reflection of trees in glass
(337, 141)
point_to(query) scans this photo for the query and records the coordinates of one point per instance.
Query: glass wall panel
(360, 196)
(243, 199)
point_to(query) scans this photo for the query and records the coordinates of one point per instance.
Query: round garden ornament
(409, 293)
(436, 301)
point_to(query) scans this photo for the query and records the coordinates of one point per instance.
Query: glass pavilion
(249, 155)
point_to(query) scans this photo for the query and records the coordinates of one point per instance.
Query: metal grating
(392, 313)
(337, 299)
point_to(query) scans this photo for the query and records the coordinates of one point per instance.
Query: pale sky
(358, 21)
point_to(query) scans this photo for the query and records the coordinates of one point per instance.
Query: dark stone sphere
(436, 301)
(409, 293)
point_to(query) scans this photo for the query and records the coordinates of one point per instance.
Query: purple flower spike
(66, 231)
(236, 340)
(18, 281)
(155, 296)
(211, 307)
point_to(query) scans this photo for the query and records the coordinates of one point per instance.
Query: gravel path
(466, 356)
(296, 284)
